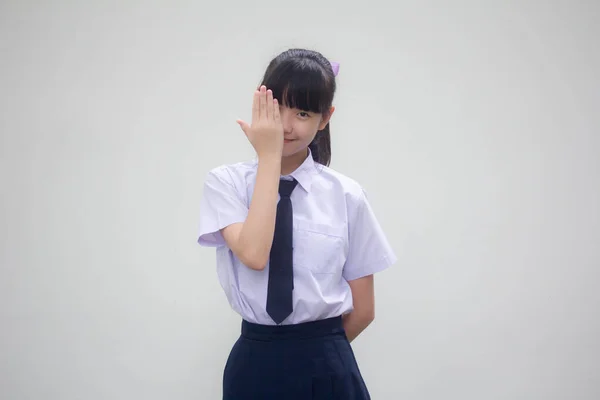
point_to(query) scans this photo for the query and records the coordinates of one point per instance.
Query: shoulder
(232, 174)
(353, 191)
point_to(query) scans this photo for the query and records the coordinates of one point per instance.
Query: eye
(303, 114)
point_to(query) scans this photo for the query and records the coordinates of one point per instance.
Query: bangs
(300, 84)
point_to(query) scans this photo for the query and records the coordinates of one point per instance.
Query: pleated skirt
(308, 361)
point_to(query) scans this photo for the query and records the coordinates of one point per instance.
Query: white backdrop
(473, 126)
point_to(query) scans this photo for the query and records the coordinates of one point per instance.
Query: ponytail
(320, 147)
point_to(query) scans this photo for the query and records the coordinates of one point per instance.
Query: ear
(326, 117)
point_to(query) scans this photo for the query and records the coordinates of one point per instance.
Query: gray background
(472, 125)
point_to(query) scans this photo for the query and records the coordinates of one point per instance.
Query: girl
(297, 244)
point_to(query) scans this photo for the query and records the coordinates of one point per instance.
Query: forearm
(257, 232)
(363, 300)
(355, 323)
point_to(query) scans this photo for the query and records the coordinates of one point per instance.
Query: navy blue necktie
(281, 274)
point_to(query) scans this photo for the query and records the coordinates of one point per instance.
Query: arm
(363, 297)
(368, 253)
(251, 240)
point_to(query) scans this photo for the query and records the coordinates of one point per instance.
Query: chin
(292, 148)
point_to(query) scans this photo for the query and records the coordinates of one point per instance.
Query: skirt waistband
(305, 330)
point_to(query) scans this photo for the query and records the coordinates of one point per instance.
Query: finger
(276, 115)
(255, 105)
(269, 104)
(263, 102)
(245, 127)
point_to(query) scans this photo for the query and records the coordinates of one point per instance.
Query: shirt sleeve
(221, 205)
(369, 251)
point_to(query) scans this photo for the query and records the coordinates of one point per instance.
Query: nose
(286, 116)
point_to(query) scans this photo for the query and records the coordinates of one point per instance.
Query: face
(300, 128)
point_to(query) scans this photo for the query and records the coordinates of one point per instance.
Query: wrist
(271, 159)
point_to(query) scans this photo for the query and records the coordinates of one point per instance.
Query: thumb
(245, 127)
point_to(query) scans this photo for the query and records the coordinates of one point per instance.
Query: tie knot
(286, 187)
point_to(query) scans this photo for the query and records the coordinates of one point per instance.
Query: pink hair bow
(336, 67)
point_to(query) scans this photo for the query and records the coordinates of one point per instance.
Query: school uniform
(292, 343)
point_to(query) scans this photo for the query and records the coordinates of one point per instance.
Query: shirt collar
(304, 174)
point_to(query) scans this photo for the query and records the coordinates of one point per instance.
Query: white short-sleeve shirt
(336, 239)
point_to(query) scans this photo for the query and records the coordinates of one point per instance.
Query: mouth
(288, 140)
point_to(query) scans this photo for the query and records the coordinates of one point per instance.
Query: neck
(291, 163)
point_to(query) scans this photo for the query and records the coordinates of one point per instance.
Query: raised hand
(266, 132)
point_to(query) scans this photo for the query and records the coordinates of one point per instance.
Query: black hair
(304, 79)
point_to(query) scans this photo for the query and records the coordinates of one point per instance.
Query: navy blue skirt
(308, 361)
